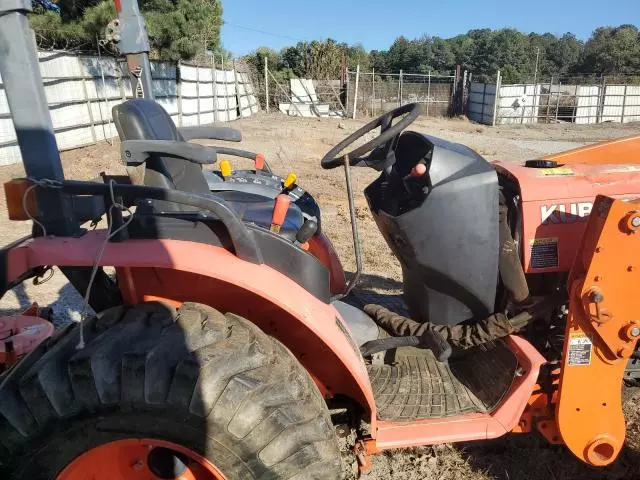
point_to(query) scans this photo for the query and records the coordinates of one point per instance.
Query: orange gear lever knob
(419, 170)
(279, 212)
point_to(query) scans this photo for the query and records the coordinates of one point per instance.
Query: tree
(565, 54)
(613, 50)
(178, 29)
(357, 55)
(481, 51)
(379, 60)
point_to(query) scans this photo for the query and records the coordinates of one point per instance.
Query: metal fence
(579, 99)
(371, 93)
(82, 89)
(282, 91)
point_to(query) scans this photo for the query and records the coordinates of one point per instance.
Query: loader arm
(602, 332)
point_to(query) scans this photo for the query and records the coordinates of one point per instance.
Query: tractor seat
(143, 119)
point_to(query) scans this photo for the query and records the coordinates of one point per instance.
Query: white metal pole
(535, 85)
(179, 87)
(429, 92)
(624, 100)
(373, 91)
(235, 80)
(496, 98)
(355, 93)
(226, 92)
(214, 88)
(400, 87)
(198, 91)
(266, 83)
(107, 136)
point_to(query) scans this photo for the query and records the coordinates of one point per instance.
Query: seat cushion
(143, 119)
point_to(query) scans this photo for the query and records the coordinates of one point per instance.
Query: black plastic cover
(277, 251)
(447, 243)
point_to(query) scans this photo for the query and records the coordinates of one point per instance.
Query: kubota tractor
(229, 345)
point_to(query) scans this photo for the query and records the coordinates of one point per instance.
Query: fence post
(624, 100)
(558, 100)
(86, 99)
(235, 79)
(226, 92)
(466, 80)
(484, 101)
(373, 92)
(496, 99)
(429, 92)
(198, 92)
(346, 93)
(179, 88)
(549, 98)
(214, 88)
(266, 83)
(601, 99)
(535, 100)
(107, 136)
(355, 93)
(400, 90)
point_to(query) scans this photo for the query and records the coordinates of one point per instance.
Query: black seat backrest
(142, 119)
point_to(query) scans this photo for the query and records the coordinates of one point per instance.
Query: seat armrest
(136, 152)
(211, 133)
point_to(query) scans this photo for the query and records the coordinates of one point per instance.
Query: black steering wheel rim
(388, 134)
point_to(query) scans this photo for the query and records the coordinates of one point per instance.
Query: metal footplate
(420, 387)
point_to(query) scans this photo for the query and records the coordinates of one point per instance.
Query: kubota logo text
(565, 213)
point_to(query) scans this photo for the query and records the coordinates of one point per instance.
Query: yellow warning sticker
(579, 351)
(556, 172)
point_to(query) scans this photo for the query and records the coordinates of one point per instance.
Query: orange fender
(186, 271)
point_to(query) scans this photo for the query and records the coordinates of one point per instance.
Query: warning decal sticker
(544, 252)
(579, 352)
(556, 172)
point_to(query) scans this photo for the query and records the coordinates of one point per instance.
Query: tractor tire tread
(246, 387)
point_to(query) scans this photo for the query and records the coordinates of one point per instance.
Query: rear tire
(215, 384)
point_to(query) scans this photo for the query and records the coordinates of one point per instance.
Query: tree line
(609, 50)
(187, 29)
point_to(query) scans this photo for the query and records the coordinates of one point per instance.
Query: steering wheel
(382, 147)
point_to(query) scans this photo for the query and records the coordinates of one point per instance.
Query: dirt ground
(296, 145)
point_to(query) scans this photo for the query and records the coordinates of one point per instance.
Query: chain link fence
(369, 94)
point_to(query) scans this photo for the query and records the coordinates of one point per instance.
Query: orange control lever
(279, 212)
(259, 161)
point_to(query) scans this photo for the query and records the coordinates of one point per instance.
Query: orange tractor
(227, 344)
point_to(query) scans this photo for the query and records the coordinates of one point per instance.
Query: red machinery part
(19, 334)
(128, 460)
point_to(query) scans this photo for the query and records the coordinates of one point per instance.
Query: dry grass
(297, 145)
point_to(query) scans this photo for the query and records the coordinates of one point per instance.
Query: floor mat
(420, 387)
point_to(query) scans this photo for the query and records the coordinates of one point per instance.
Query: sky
(376, 23)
